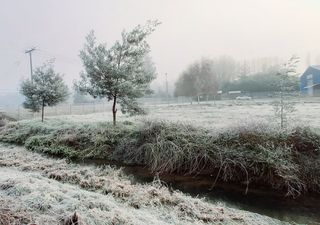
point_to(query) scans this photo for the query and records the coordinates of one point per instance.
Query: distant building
(234, 94)
(310, 81)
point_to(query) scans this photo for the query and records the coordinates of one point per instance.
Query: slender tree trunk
(42, 111)
(114, 110)
(281, 111)
(198, 98)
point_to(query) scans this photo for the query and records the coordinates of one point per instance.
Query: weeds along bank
(249, 156)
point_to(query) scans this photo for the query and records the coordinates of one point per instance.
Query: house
(310, 81)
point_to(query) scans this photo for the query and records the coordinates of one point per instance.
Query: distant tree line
(208, 76)
(198, 79)
(205, 77)
(261, 82)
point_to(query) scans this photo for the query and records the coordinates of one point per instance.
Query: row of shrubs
(249, 155)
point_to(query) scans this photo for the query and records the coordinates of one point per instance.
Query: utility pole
(30, 57)
(167, 91)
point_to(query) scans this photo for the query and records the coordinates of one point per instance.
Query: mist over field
(246, 30)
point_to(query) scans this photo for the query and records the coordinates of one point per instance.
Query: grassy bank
(35, 189)
(250, 156)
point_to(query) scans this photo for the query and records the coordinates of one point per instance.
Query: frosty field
(218, 114)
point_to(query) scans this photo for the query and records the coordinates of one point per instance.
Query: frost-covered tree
(119, 73)
(45, 89)
(198, 79)
(225, 68)
(286, 85)
(207, 83)
(186, 83)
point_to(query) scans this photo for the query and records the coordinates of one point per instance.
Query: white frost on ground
(47, 190)
(215, 115)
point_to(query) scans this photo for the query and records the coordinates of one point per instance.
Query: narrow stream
(283, 209)
(304, 210)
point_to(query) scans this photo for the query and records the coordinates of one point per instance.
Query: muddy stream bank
(302, 210)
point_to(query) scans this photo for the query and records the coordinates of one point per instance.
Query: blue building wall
(315, 72)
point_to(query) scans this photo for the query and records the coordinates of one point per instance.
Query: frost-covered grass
(216, 115)
(227, 113)
(210, 114)
(251, 155)
(36, 189)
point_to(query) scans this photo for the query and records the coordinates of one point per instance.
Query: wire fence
(18, 112)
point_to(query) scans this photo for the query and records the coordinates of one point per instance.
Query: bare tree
(283, 107)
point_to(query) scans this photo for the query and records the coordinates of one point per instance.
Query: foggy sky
(190, 29)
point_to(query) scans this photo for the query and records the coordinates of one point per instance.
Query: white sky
(190, 29)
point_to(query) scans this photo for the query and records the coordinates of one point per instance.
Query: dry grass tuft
(8, 216)
(74, 219)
